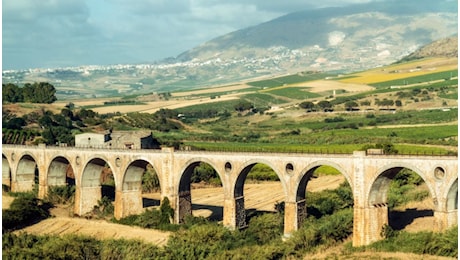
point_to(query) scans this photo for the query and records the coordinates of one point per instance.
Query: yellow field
(400, 71)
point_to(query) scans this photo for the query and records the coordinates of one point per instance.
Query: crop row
(10, 136)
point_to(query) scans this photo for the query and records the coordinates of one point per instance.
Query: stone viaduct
(368, 175)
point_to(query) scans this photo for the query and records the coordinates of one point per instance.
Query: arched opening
(403, 200)
(323, 191)
(98, 188)
(258, 191)
(142, 179)
(452, 197)
(201, 181)
(26, 174)
(61, 181)
(6, 174)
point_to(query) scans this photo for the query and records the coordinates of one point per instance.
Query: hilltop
(447, 47)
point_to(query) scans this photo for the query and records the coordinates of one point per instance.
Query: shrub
(265, 228)
(199, 242)
(24, 210)
(60, 194)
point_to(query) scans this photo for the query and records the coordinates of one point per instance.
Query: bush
(442, 244)
(159, 219)
(327, 231)
(265, 228)
(25, 246)
(199, 242)
(60, 194)
(25, 210)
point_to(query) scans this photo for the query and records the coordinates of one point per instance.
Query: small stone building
(117, 140)
(91, 140)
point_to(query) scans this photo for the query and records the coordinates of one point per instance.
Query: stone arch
(238, 189)
(246, 168)
(184, 203)
(132, 178)
(452, 196)
(302, 183)
(6, 172)
(60, 171)
(307, 173)
(91, 187)
(131, 200)
(377, 197)
(27, 173)
(377, 194)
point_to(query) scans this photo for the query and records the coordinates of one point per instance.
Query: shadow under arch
(378, 198)
(185, 206)
(452, 197)
(94, 183)
(302, 184)
(133, 182)
(60, 172)
(241, 213)
(27, 173)
(6, 173)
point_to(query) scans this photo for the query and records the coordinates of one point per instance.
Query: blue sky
(59, 33)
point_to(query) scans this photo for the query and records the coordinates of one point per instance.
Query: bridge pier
(368, 223)
(229, 213)
(86, 198)
(294, 215)
(234, 213)
(445, 219)
(127, 203)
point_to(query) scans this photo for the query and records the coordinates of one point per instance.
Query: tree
(349, 105)
(398, 103)
(307, 105)
(243, 106)
(11, 93)
(325, 105)
(15, 123)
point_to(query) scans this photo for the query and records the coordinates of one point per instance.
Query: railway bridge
(368, 175)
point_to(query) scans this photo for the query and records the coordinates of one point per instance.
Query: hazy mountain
(341, 38)
(447, 47)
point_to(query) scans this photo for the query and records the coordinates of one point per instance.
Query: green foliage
(25, 210)
(25, 246)
(328, 230)
(204, 173)
(290, 79)
(442, 244)
(307, 105)
(104, 208)
(153, 218)
(418, 79)
(42, 92)
(199, 242)
(328, 202)
(293, 92)
(163, 120)
(150, 181)
(265, 229)
(60, 194)
(243, 106)
(404, 188)
(262, 172)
